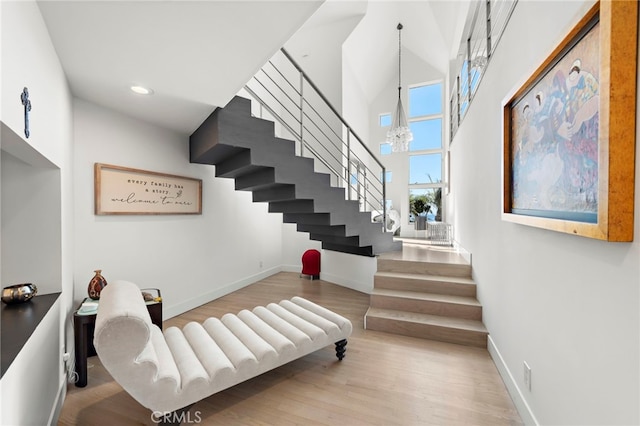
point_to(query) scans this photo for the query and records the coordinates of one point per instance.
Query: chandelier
(399, 135)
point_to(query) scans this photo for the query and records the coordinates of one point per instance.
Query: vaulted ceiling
(196, 55)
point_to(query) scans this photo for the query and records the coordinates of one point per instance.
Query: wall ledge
(19, 321)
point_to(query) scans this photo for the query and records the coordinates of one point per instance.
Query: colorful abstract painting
(554, 145)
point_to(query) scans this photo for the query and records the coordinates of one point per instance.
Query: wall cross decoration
(27, 108)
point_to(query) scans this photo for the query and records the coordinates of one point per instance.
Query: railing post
(489, 47)
(301, 114)
(384, 199)
(348, 163)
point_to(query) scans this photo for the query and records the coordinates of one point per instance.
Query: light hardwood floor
(384, 379)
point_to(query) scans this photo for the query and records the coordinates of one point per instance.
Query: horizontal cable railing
(287, 96)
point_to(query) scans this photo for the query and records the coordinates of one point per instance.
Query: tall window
(426, 151)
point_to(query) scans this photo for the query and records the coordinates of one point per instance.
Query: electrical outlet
(527, 376)
(261, 263)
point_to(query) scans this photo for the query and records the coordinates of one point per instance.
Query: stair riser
(409, 267)
(336, 239)
(323, 230)
(249, 162)
(360, 251)
(308, 218)
(425, 285)
(298, 206)
(427, 331)
(260, 179)
(275, 194)
(427, 307)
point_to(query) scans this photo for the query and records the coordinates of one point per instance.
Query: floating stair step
(333, 230)
(213, 155)
(361, 251)
(427, 268)
(427, 303)
(337, 239)
(293, 206)
(434, 327)
(260, 179)
(438, 284)
(278, 192)
(307, 218)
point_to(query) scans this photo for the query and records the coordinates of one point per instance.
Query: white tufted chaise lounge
(170, 371)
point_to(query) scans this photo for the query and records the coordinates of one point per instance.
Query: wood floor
(384, 379)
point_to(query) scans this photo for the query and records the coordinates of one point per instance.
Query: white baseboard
(57, 406)
(345, 282)
(291, 268)
(466, 254)
(334, 279)
(519, 401)
(174, 310)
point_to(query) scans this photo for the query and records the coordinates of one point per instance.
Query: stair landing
(426, 291)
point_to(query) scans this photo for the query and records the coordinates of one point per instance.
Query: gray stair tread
(416, 295)
(426, 319)
(425, 277)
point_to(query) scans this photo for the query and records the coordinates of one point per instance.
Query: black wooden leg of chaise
(341, 348)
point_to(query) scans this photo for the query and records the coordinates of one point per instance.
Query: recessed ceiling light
(141, 90)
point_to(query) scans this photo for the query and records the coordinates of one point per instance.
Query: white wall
(29, 59)
(191, 258)
(567, 305)
(30, 231)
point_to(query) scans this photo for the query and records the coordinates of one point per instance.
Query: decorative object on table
(568, 154)
(97, 283)
(24, 97)
(88, 307)
(18, 293)
(123, 190)
(399, 135)
(149, 297)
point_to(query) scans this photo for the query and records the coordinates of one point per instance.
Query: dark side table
(83, 328)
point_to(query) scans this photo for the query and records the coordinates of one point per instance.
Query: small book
(88, 307)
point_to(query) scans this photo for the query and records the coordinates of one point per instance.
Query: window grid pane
(425, 168)
(385, 120)
(425, 100)
(427, 134)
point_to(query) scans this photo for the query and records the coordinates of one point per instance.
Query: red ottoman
(311, 264)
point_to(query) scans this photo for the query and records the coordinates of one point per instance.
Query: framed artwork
(126, 191)
(569, 131)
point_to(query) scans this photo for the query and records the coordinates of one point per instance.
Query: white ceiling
(197, 55)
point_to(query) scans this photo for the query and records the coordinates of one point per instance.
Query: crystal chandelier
(399, 135)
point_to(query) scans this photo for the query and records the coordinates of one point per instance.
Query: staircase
(246, 149)
(430, 300)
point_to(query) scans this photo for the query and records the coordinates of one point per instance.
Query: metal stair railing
(287, 96)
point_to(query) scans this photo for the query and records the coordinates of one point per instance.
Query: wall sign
(122, 190)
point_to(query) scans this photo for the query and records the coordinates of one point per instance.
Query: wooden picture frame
(569, 131)
(126, 191)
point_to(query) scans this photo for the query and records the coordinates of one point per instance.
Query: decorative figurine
(18, 293)
(96, 285)
(24, 97)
